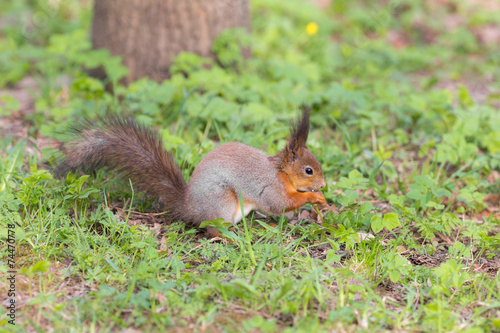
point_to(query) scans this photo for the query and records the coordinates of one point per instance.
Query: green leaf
(41, 266)
(377, 224)
(391, 221)
(8, 199)
(432, 204)
(349, 198)
(212, 223)
(139, 245)
(162, 94)
(394, 275)
(464, 97)
(332, 257)
(186, 62)
(355, 174)
(114, 68)
(417, 192)
(85, 193)
(365, 207)
(357, 179)
(38, 267)
(344, 183)
(335, 246)
(425, 181)
(177, 264)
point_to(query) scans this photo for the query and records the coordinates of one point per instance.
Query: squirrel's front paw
(318, 198)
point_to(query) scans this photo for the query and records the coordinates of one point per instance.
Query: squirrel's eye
(309, 171)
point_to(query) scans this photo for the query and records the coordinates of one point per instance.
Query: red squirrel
(272, 184)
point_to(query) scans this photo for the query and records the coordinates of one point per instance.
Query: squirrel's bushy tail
(134, 150)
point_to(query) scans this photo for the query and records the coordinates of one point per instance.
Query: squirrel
(272, 184)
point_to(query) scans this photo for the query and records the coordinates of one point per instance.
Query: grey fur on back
(227, 170)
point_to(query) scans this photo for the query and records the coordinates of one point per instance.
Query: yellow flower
(312, 28)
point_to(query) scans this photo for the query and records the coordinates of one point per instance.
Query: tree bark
(149, 33)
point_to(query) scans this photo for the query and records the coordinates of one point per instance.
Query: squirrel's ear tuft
(299, 132)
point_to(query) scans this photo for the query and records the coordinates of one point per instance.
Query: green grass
(405, 121)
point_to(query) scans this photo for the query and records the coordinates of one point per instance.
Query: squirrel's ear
(298, 133)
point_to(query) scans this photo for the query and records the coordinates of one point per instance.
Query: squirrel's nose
(322, 184)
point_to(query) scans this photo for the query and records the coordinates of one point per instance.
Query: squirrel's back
(227, 171)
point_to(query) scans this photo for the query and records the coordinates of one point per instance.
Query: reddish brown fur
(298, 199)
(295, 157)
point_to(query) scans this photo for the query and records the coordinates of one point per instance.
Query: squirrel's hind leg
(214, 205)
(230, 210)
(213, 232)
(226, 208)
(239, 212)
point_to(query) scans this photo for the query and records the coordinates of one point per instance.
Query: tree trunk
(149, 33)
